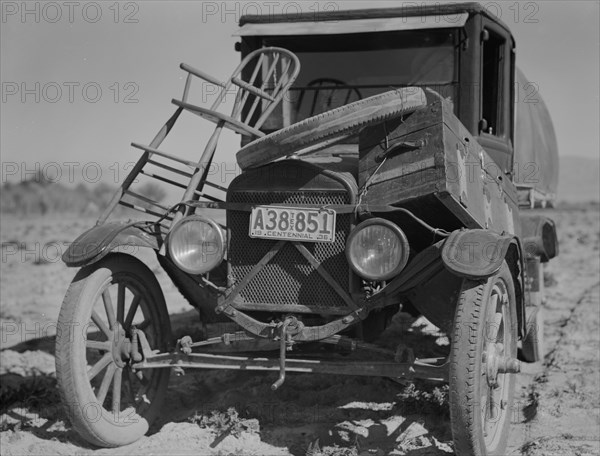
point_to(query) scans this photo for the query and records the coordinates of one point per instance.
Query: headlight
(377, 249)
(196, 244)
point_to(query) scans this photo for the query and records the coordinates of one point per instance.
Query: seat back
(259, 83)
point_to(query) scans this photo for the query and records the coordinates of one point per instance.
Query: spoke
(504, 298)
(116, 393)
(491, 329)
(97, 368)
(494, 304)
(495, 327)
(483, 413)
(495, 396)
(106, 381)
(100, 324)
(132, 310)
(143, 325)
(110, 311)
(98, 345)
(121, 303)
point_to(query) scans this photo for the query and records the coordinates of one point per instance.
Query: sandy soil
(558, 401)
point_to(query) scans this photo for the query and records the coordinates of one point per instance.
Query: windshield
(337, 70)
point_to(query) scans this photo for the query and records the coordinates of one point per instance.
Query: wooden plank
(143, 209)
(408, 10)
(146, 199)
(183, 173)
(170, 168)
(201, 74)
(373, 143)
(161, 153)
(366, 25)
(252, 89)
(217, 117)
(397, 191)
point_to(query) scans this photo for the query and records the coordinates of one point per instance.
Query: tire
(532, 349)
(325, 128)
(480, 414)
(82, 340)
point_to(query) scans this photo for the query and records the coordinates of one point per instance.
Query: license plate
(306, 225)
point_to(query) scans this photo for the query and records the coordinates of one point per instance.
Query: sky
(81, 80)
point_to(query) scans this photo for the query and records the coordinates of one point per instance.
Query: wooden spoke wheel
(483, 362)
(110, 403)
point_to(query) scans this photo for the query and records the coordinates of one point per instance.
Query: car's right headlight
(196, 244)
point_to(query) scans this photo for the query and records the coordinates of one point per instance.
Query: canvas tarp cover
(536, 151)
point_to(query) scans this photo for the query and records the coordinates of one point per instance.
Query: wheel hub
(121, 346)
(496, 363)
(492, 355)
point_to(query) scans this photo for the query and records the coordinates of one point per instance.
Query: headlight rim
(403, 240)
(188, 219)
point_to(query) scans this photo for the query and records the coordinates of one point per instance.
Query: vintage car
(390, 161)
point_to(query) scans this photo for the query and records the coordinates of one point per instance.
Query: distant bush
(153, 191)
(39, 196)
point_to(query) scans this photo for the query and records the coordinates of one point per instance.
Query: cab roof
(435, 9)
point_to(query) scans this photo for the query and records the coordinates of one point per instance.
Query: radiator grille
(288, 278)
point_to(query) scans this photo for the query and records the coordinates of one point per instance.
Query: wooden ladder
(259, 82)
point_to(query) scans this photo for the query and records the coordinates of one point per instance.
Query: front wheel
(482, 365)
(109, 403)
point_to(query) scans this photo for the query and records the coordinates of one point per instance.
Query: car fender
(97, 242)
(478, 254)
(539, 237)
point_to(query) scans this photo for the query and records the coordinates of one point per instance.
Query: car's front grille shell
(289, 282)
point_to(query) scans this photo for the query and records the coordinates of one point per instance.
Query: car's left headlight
(196, 244)
(377, 249)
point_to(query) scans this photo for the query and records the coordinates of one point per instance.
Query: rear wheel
(110, 403)
(482, 365)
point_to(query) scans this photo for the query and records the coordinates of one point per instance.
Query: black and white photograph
(300, 228)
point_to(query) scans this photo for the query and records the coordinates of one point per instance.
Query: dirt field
(558, 401)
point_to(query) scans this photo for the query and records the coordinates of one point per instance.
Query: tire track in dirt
(560, 415)
(558, 406)
(551, 356)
